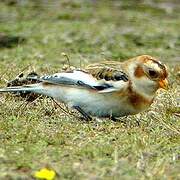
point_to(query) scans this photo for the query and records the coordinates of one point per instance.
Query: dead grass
(39, 134)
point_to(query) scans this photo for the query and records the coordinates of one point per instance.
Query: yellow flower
(45, 173)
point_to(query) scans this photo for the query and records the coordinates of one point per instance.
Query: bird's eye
(153, 73)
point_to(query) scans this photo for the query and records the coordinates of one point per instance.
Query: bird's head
(148, 74)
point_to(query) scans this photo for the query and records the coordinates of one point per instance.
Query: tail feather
(26, 88)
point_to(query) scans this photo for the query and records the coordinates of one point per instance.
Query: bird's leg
(84, 114)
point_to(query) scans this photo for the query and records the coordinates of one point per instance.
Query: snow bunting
(109, 89)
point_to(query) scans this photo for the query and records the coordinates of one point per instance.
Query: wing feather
(111, 70)
(76, 78)
(108, 80)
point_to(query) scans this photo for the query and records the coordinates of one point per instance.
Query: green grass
(39, 134)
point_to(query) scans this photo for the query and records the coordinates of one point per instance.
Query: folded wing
(82, 79)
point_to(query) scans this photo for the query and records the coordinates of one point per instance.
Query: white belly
(92, 102)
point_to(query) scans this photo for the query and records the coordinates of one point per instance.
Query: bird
(109, 89)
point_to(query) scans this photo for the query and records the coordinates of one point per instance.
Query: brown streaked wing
(108, 70)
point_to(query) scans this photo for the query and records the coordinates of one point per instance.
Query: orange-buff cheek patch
(139, 72)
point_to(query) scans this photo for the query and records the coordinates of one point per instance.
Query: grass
(39, 134)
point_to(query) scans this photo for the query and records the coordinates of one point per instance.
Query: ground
(39, 134)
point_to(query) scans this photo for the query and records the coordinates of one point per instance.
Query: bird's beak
(163, 84)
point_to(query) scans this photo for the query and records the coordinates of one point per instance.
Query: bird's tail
(27, 88)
